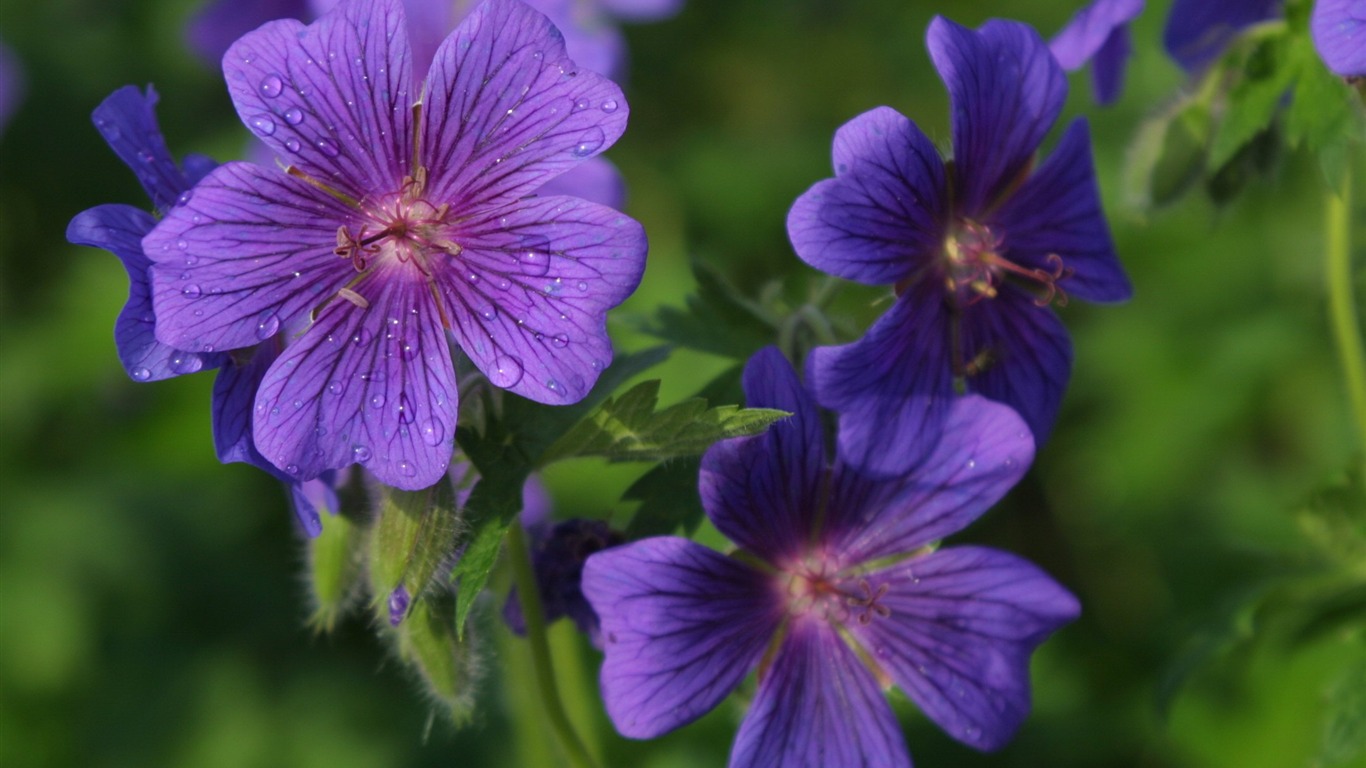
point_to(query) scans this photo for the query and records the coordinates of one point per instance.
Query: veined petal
(1198, 30)
(1107, 68)
(1057, 214)
(982, 452)
(1005, 90)
(528, 299)
(333, 98)
(1339, 30)
(234, 396)
(1089, 29)
(119, 229)
(1028, 354)
(373, 386)
(883, 214)
(505, 110)
(890, 387)
(596, 181)
(764, 492)
(961, 626)
(127, 121)
(250, 250)
(682, 626)
(818, 706)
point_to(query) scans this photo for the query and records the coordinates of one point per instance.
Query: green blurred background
(151, 604)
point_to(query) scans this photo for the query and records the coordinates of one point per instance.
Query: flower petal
(891, 386)
(250, 250)
(333, 98)
(590, 38)
(1088, 31)
(818, 706)
(1198, 30)
(963, 622)
(883, 213)
(373, 386)
(127, 121)
(218, 24)
(763, 492)
(1107, 69)
(119, 229)
(682, 627)
(1028, 354)
(505, 110)
(642, 10)
(596, 181)
(982, 452)
(529, 301)
(1339, 30)
(1006, 91)
(1057, 212)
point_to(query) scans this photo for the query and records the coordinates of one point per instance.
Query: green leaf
(1167, 155)
(493, 505)
(334, 569)
(718, 319)
(668, 500)
(1268, 75)
(446, 665)
(628, 428)
(1344, 737)
(414, 535)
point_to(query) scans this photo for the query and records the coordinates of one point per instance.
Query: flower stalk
(1342, 301)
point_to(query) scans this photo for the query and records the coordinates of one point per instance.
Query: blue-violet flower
(1099, 33)
(1339, 30)
(1198, 30)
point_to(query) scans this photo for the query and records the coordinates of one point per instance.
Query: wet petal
(763, 492)
(234, 395)
(528, 302)
(818, 706)
(1339, 30)
(1198, 30)
(506, 111)
(119, 229)
(682, 627)
(1058, 212)
(596, 181)
(891, 386)
(332, 98)
(127, 121)
(371, 386)
(961, 626)
(982, 452)
(251, 249)
(883, 214)
(1006, 90)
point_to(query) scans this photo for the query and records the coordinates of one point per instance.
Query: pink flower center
(815, 587)
(973, 265)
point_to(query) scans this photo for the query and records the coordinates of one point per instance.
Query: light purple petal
(1005, 90)
(642, 10)
(1028, 354)
(506, 111)
(529, 301)
(882, 216)
(682, 627)
(1089, 29)
(1198, 30)
(1339, 30)
(1057, 212)
(1107, 69)
(119, 229)
(764, 492)
(218, 24)
(596, 181)
(252, 249)
(373, 386)
(311, 497)
(332, 99)
(818, 706)
(983, 450)
(891, 386)
(128, 123)
(963, 622)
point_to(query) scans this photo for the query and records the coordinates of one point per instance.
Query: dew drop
(489, 312)
(406, 469)
(560, 340)
(581, 104)
(327, 147)
(377, 401)
(552, 385)
(472, 278)
(294, 116)
(504, 284)
(182, 244)
(591, 141)
(972, 464)
(267, 327)
(292, 469)
(507, 371)
(184, 197)
(191, 291)
(582, 286)
(335, 388)
(408, 350)
(361, 337)
(609, 106)
(298, 404)
(262, 125)
(432, 433)
(405, 409)
(272, 86)
(293, 145)
(141, 374)
(361, 453)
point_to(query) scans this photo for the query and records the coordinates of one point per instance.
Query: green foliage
(668, 500)
(1344, 737)
(716, 319)
(445, 663)
(413, 535)
(334, 569)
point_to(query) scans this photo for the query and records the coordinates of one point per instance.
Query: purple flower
(397, 225)
(1198, 30)
(559, 551)
(1339, 29)
(11, 85)
(1100, 31)
(837, 593)
(975, 250)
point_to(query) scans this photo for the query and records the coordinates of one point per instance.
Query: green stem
(1342, 301)
(525, 578)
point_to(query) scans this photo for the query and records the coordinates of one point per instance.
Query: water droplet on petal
(267, 327)
(361, 453)
(182, 244)
(294, 116)
(507, 371)
(377, 401)
(405, 409)
(560, 340)
(292, 469)
(191, 291)
(433, 432)
(972, 464)
(609, 106)
(293, 145)
(327, 147)
(591, 141)
(489, 312)
(581, 104)
(184, 197)
(262, 125)
(361, 336)
(406, 469)
(272, 86)
(582, 286)
(141, 374)
(335, 388)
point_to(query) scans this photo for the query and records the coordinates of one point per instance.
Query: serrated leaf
(628, 428)
(718, 319)
(472, 570)
(668, 500)
(1268, 76)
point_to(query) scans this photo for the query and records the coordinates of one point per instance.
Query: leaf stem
(525, 578)
(1342, 301)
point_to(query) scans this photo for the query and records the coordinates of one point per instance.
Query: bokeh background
(151, 604)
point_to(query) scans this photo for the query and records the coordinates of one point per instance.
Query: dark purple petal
(218, 25)
(373, 386)
(983, 450)
(528, 303)
(1028, 354)
(234, 396)
(642, 10)
(882, 216)
(506, 111)
(764, 492)
(1006, 91)
(891, 386)
(963, 622)
(1057, 214)
(1339, 29)
(1090, 29)
(312, 497)
(119, 229)
(252, 249)
(682, 627)
(128, 123)
(1107, 69)
(818, 705)
(591, 40)
(596, 181)
(332, 99)
(558, 557)
(1198, 30)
